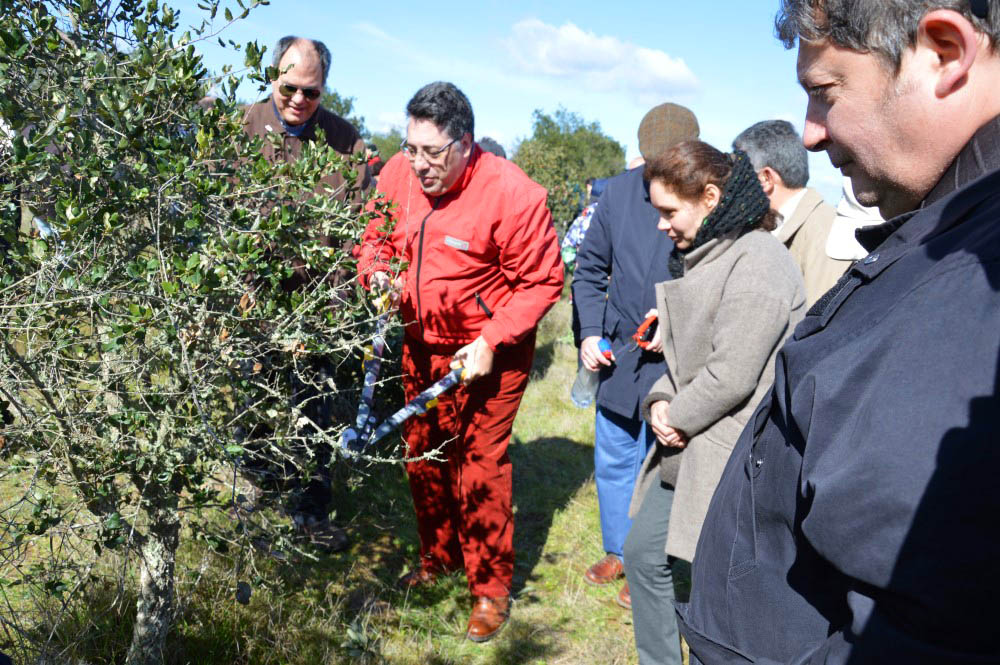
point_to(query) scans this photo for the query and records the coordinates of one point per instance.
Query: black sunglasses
(289, 90)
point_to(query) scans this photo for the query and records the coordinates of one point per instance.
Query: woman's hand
(674, 438)
(656, 344)
(659, 420)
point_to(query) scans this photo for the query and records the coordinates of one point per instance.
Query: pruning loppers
(361, 435)
(364, 422)
(353, 440)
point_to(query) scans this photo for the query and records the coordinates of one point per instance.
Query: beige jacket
(805, 235)
(722, 325)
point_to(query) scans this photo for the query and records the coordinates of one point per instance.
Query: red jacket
(487, 244)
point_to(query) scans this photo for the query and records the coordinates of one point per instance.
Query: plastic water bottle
(585, 387)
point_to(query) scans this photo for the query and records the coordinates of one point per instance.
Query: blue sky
(610, 62)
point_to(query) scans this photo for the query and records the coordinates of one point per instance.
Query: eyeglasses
(430, 154)
(289, 90)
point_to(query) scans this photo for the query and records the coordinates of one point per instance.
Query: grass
(557, 618)
(344, 608)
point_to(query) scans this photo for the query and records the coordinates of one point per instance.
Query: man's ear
(955, 44)
(768, 179)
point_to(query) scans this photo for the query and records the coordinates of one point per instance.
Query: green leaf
(229, 14)
(39, 248)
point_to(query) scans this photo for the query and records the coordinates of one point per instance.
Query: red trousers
(464, 502)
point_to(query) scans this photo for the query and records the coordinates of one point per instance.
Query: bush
(561, 154)
(148, 343)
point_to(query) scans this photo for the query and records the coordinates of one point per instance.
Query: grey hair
(446, 106)
(884, 27)
(286, 43)
(775, 143)
(489, 145)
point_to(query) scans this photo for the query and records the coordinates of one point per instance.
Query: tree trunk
(156, 589)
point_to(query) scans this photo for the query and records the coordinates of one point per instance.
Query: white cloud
(376, 33)
(600, 64)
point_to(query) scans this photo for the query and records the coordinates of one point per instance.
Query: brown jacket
(261, 119)
(805, 234)
(341, 135)
(722, 324)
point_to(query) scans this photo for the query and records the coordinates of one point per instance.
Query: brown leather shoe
(489, 616)
(624, 598)
(606, 570)
(416, 578)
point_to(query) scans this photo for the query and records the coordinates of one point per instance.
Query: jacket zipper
(482, 304)
(420, 262)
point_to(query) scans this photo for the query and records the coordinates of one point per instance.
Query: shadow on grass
(548, 472)
(545, 355)
(519, 643)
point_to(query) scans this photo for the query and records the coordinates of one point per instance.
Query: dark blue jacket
(858, 519)
(623, 243)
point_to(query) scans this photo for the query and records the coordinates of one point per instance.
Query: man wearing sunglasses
(293, 111)
(483, 268)
(287, 119)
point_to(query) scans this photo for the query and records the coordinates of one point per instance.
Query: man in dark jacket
(856, 520)
(623, 245)
(290, 116)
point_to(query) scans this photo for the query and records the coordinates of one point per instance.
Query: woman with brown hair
(736, 295)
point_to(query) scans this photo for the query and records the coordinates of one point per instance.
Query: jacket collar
(979, 157)
(471, 168)
(305, 130)
(809, 201)
(710, 251)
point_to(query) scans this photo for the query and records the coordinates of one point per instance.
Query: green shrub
(147, 340)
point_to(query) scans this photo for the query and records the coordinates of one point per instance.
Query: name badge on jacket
(456, 243)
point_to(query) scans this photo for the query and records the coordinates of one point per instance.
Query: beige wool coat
(805, 234)
(721, 324)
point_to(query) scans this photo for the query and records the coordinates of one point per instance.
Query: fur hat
(663, 126)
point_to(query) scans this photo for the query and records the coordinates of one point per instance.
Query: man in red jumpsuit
(482, 268)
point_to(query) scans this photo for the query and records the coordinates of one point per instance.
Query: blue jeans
(620, 445)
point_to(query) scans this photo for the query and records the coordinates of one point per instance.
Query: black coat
(623, 243)
(857, 519)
